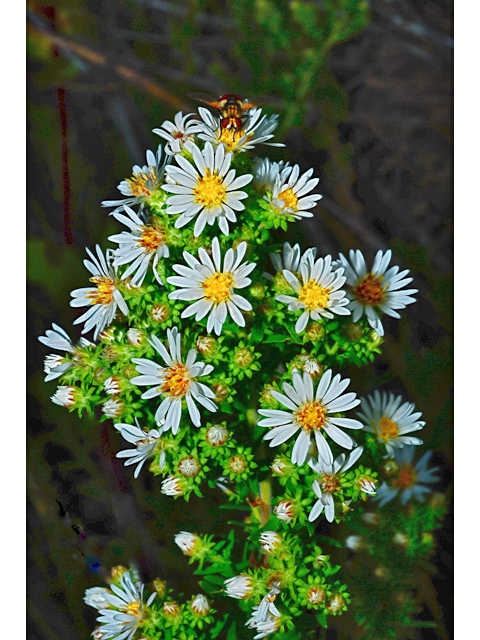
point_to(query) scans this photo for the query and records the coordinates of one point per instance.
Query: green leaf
(232, 632)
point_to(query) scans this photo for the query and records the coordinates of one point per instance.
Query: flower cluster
(209, 341)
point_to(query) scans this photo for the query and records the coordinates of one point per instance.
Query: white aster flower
(138, 246)
(289, 196)
(122, 622)
(377, 291)
(212, 287)
(255, 130)
(265, 616)
(208, 190)
(319, 295)
(216, 435)
(56, 338)
(239, 587)
(390, 421)
(311, 413)
(145, 443)
(95, 597)
(178, 132)
(266, 172)
(104, 299)
(328, 482)
(409, 481)
(175, 382)
(145, 180)
(284, 510)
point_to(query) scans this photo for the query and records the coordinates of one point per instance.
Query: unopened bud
(221, 392)
(206, 345)
(285, 510)
(160, 587)
(188, 467)
(335, 603)
(160, 312)
(237, 464)
(270, 541)
(316, 595)
(136, 337)
(199, 605)
(243, 357)
(216, 435)
(113, 408)
(171, 610)
(314, 331)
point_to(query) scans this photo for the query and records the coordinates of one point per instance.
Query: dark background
(366, 103)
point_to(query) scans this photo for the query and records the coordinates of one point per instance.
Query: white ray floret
(311, 412)
(145, 443)
(291, 258)
(212, 287)
(129, 610)
(206, 190)
(138, 246)
(328, 482)
(319, 294)
(390, 421)
(377, 291)
(410, 479)
(175, 383)
(256, 129)
(144, 182)
(291, 193)
(104, 299)
(178, 132)
(266, 173)
(265, 616)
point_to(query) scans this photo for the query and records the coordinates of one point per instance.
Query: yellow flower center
(313, 295)
(388, 429)
(231, 137)
(217, 287)
(289, 198)
(133, 609)
(369, 291)
(152, 238)
(104, 292)
(406, 477)
(329, 484)
(138, 183)
(176, 380)
(210, 190)
(311, 416)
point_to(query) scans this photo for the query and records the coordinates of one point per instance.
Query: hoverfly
(230, 108)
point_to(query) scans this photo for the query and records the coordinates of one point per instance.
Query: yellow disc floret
(388, 429)
(104, 292)
(311, 416)
(313, 295)
(329, 483)
(133, 609)
(210, 190)
(369, 290)
(217, 287)
(289, 198)
(138, 183)
(152, 238)
(176, 380)
(406, 477)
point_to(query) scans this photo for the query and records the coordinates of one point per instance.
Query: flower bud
(136, 337)
(355, 543)
(189, 543)
(94, 597)
(171, 610)
(112, 385)
(160, 312)
(281, 466)
(237, 464)
(257, 290)
(216, 435)
(336, 603)
(314, 331)
(270, 541)
(172, 486)
(371, 517)
(108, 335)
(401, 539)
(221, 392)
(353, 331)
(188, 467)
(66, 396)
(206, 345)
(266, 397)
(117, 571)
(239, 587)
(243, 357)
(382, 573)
(316, 595)
(285, 510)
(113, 408)
(160, 587)
(366, 485)
(199, 605)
